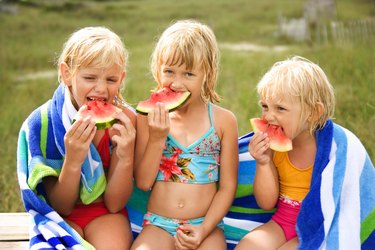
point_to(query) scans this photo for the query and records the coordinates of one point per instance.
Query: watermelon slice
(172, 100)
(101, 112)
(278, 140)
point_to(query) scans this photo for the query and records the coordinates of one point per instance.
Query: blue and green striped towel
(40, 153)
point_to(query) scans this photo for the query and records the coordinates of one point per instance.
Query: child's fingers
(159, 114)
(158, 118)
(150, 116)
(164, 114)
(182, 241)
(259, 146)
(262, 142)
(74, 127)
(88, 133)
(158, 111)
(121, 117)
(187, 236)
(124, 136)
(124, 126)
(81, 130)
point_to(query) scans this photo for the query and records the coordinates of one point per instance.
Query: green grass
(31, 40)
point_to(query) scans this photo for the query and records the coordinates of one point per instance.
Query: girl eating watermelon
(304, 181)
(188, 157)
(81, 166)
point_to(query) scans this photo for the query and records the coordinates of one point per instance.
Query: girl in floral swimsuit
(188, 158)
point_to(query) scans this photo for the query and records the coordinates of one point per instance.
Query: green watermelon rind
(274, 145)
(105, 124)
(171, 107)
(101, 123)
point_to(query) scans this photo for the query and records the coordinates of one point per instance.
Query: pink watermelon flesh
(278, 140)
(101, 112)
(171, 99)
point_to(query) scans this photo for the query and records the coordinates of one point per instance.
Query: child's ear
(319, 109)
(123, 75)
(65, 74)
(317, 112)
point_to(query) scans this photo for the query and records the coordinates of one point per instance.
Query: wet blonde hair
(302, 79)
(193, 44)
(97, 47)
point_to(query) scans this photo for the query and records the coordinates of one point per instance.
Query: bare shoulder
(221, 114)
(224, 119)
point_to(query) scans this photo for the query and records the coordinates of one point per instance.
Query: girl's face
(100, 84)
(286, 114)
(178, 78)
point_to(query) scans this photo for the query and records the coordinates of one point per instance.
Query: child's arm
(152, 133)
(63, 191)
(120, 174)
(266, 184)
(227, 125)
(228, 171)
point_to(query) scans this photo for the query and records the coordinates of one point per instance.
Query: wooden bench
(14, 231)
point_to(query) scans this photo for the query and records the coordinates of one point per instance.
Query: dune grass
(31, 39)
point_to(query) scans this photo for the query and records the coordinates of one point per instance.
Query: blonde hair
(92, 47)
(193, 44)
(298, 77)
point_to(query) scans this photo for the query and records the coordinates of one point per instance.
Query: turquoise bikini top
(198, 163)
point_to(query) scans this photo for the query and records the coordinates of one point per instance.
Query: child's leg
(152, 237)
(214, 241)
(110, 231)
(267, 236)
(78, 229)
(291, 244)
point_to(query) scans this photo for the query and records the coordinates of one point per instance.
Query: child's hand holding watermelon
(123, 136)
(77, 141)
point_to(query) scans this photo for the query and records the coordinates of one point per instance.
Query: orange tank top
(294, 182)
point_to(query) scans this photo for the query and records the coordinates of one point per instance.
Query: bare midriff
(181, 200)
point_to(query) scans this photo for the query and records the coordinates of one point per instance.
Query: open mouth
(98, 99)
(276, 127)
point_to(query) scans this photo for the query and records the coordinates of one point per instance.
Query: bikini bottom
(286, 217)
(83, 214)
(171, 225)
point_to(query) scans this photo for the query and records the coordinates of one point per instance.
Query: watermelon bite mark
(278, 140)
(171, 99)
(101, 112)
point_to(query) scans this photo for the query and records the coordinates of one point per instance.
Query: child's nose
(268, 116)
(176, 84)
(100, 85)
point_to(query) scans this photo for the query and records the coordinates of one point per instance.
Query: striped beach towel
(40, 153)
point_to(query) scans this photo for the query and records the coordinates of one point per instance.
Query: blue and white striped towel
(40, 153)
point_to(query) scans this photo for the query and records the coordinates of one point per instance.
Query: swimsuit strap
(210, 113)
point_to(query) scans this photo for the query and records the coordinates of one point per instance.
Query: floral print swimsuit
(198, 163)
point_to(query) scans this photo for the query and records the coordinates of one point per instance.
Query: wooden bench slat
(14, 245)
(14, 226)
